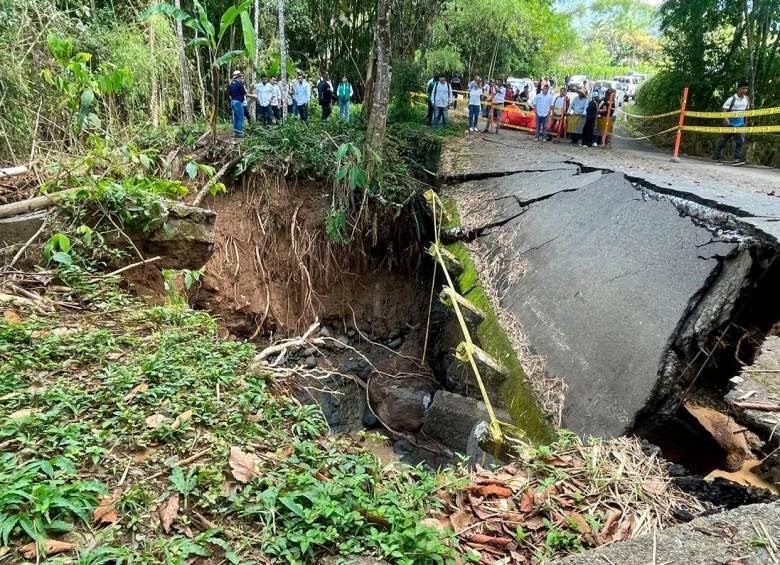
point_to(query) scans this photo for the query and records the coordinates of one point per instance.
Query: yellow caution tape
(744, 114)
(494, 425)
(644, 117)
(724, 129)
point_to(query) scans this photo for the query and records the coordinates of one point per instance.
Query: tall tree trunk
(186, 92)
(282, 56)
(256, 59)
(154, 111)
(214, 85)
(200, 83)
(380, 93)
(369, 84)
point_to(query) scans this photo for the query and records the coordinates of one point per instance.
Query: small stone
(324, 331)
(402, 447)
(309, 351)
(369, 420)
(310, 362)
(340, 342)
(351, 332)
(396, 343)
(356, 366)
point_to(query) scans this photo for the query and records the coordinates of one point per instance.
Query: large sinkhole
(384, 359)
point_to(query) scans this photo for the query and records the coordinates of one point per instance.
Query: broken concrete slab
(611, 279)
(187, 239)
(728, 537)
(451, 418)
(758, 386)
(492, 158)
(18, 229)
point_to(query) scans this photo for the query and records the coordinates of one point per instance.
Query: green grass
(73, 426)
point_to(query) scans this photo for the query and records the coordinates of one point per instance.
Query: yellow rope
(494, 425)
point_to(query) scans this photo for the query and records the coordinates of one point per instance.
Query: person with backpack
(737, 102)
(441, 96)
(456, 84)
(344, 94)
(428, 91)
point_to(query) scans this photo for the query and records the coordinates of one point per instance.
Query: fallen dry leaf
(106, 513)
(50, 547)
(180, 419)
(495, 490)
(242, 465)
(527, 502)
(491, 540)
(143, 387)
(460, 520)
(23, 413)
(535, 523)
(168, 512)
(155, 421)
(12, 317)
(432, 523)
(579, 521)
(654, 487)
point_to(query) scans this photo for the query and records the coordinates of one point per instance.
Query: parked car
(520, 83)
(641, 76)
(577, 80)
(629, 84)
(600, 88)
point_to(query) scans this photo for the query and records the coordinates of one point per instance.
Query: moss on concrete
(517, 396)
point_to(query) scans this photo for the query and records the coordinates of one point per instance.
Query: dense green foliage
(76, 397)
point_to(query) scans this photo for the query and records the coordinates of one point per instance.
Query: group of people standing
(488, 98)
(270, 99)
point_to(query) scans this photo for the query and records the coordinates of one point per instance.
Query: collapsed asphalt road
(634, 291)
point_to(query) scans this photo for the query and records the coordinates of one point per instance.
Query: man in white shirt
(737, 102)
(542, 106)
(264, 94)
(441, 97)
(302, 96)
(276, 100)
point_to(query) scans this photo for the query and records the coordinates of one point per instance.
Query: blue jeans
(344, 111)
(541, 127)
(265, 115)
(238, 117)
(439, 113)
(473, 115)
(739, 146)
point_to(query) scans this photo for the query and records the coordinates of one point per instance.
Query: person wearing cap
(302, 96)
(737, 102)
(237, 92)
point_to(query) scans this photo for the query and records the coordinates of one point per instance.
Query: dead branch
(214, 180)
(26, 245)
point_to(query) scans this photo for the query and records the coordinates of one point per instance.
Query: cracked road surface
(618, 295)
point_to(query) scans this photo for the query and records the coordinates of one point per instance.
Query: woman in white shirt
(475, 95)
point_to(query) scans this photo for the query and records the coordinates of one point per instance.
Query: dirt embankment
(274, 269)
